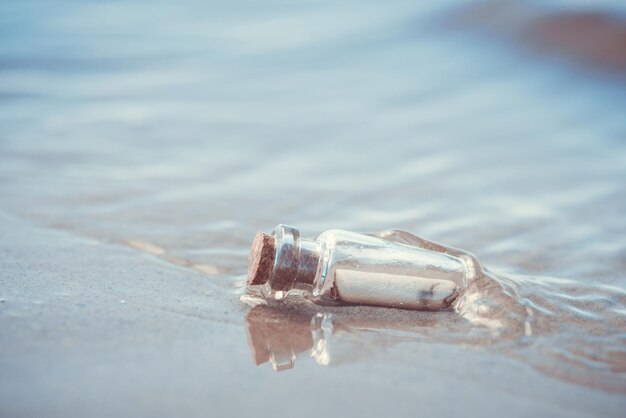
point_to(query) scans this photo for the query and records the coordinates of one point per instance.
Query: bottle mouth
(261, 259)
(274, 258)
(287, 257)
(283, 259)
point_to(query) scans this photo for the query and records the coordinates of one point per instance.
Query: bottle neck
(297, 260)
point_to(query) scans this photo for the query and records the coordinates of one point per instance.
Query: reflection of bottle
(279, 333)
(277, 336)
(394, 268)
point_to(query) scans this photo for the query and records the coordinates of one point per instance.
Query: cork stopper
(261, 260)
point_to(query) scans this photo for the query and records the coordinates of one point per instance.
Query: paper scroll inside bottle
(383, 289)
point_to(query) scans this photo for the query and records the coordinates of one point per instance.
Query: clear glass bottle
(392, 268)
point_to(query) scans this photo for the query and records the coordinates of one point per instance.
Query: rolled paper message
(383, 289)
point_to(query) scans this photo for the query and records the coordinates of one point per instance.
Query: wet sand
(97, 329)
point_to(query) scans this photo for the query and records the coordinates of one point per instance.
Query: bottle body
(347, 267)
(363, 269)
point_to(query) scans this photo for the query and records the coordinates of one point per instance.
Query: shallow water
(180, 130)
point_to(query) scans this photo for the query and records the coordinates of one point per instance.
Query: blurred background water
(179, 129)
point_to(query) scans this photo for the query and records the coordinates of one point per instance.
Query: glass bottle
(393, 268)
